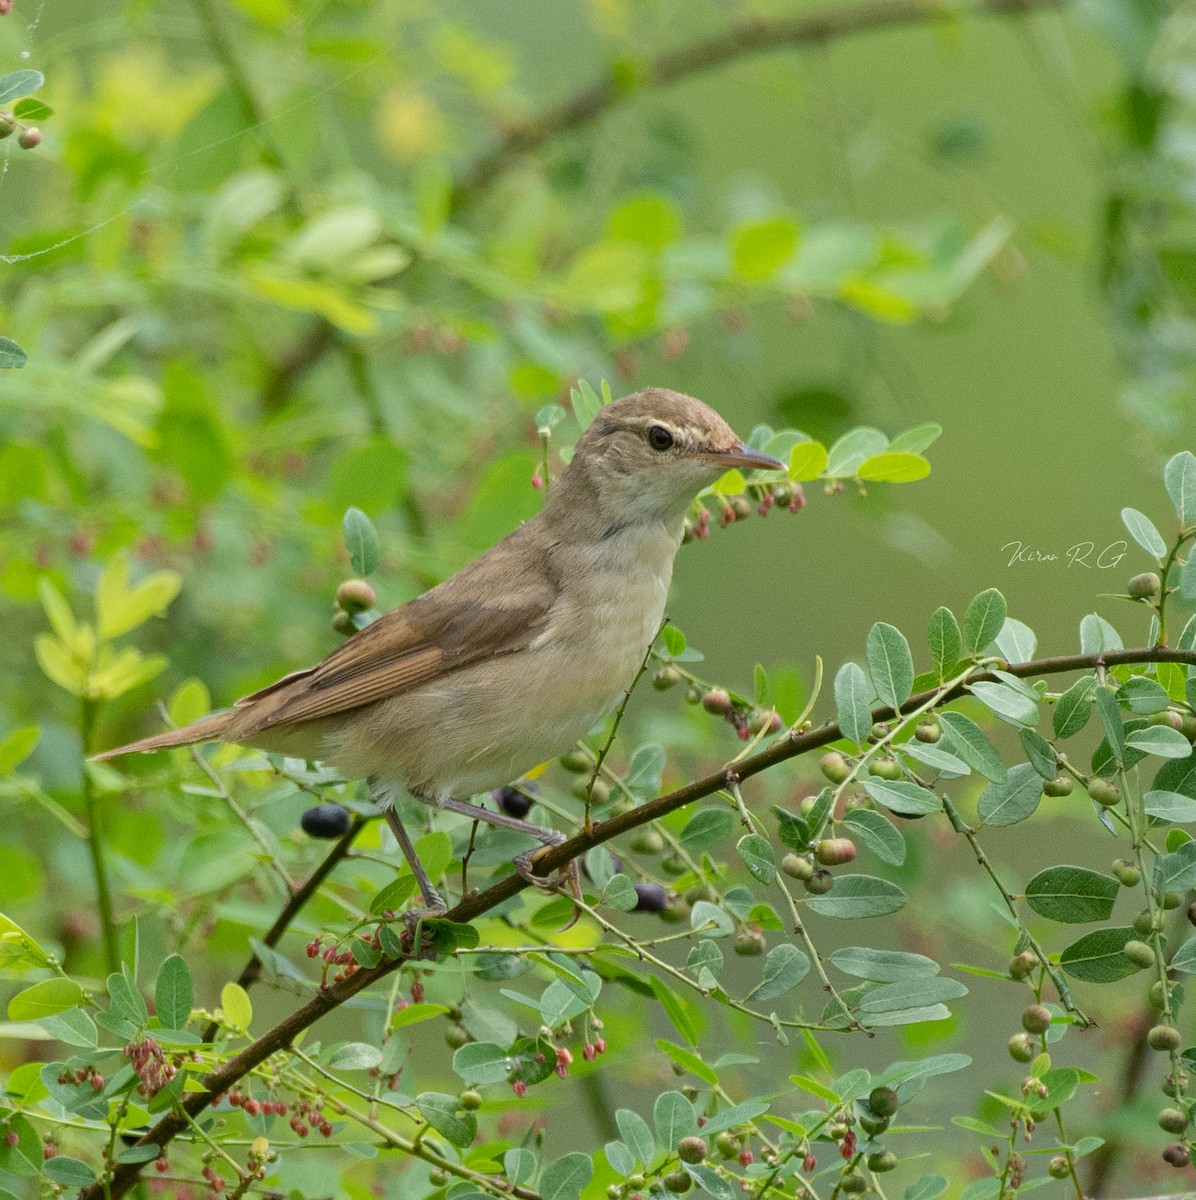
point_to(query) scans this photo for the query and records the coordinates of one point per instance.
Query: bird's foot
(524, 863)
(434, 906)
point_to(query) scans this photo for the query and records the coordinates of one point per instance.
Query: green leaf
(758, 857)
(16, 84)
(1142, 530)
(621, 1160)
(1184, 958)
(414, 1014)
(933, 755)
(32, 111)
(1179, 478)
(362, 540)
(1072, 895)
(711, 919)
(890, 664)
(1012, 799)
(1176, 871)
(917, 439)
(12, 356)
(69, 1172)
(120, 608)
(1010, 705)
(1161, 741)
(1073, 707)
(893, 466)
(17, 747)
(44, 999)
(927, 1188)
(1016, 642)
(853, 697)
(674, 640)
(877, 833)
(174, 993)
(674, 1117)
(680, 1012)
(635, 1132)
(707, 828)
(1098, 956)
(1039, 752)
(856, 896)
(966, 739)
(620, 893)
(238, 1008)
(126, 999)
(710, 1181)
(1187, 576)
(882, 966)
(353, 1056)
(644, 770)
(482, 1063)
(983, 620)
(901, 796)
(784, 968)
(807, 460)
(913, 992)
(75, 1027)
(1096, 634)
(689, 1061)
(1169, 806)
(760, 248)
(1143, 695)
(445, 1115)
(946, 642)
(846, 455)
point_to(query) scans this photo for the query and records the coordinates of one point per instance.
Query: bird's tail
(203, 730)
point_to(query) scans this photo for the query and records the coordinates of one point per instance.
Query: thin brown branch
(252, 970)
(553, 858)
(750, 38)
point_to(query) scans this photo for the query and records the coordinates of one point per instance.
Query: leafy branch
(474, 905)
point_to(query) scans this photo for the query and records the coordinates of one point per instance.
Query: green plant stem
(95, 844)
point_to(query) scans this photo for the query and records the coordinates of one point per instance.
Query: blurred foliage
(252, 278)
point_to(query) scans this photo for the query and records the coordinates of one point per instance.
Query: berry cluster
(150, 1066)
(83, 1075)
(760, 498)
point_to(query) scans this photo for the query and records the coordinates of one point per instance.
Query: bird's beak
(743, 457)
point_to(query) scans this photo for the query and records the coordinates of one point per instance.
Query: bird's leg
(433, 901)
(523, 862)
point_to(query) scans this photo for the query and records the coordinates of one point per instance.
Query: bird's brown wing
(465, 620)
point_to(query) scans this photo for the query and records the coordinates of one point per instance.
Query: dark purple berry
(650, 897)
(512, 801)
(325, 821)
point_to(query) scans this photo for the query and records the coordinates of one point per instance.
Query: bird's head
(647, 455)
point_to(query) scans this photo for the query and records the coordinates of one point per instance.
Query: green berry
(928, 731)
(820, 882)
(1164, 1037)
(355, 595)
(647, 841)
(27, 139)
(577, 763)
(1061, 785)
(1173, 1120)
(678, 1182)
(1144, 586)
(834, 852)
(1021, 1048)
(666, 678)
(882, 1160)
(834, 766)
(718, 702)
(1058, 1168)
(1126, 872)
(691, 1150)
(1036, 1019)
(1022, 965)
(1139, 953)
(749, 944)
(885, 768)
(456, 1036)
(1170, 900)
(883, 1101)
(873, 1123)
(342, 623)
(1145, 924)
(471, 1100)
(675, 912)
(853, 1185)
(797, 866)
(1157, 996)
(727, 1144)
(1103, 792)
(7, 125)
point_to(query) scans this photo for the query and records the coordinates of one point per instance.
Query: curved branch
(753, 38)
(553, 858)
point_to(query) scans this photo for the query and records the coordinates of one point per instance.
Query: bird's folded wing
(405, 649)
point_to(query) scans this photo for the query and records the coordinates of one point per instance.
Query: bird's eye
(659, 437)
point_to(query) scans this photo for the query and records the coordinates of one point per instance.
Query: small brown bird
(511, 660)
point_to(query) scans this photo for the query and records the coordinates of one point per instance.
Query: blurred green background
(254, 288)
